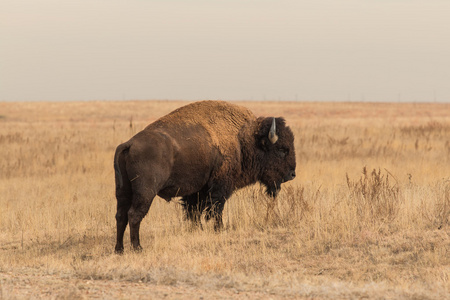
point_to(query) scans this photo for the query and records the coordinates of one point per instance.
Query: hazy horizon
(325, 50)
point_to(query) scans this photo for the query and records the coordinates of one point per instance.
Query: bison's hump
(220, 119)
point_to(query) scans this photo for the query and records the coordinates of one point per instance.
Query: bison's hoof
(118, 251)
(137, 249)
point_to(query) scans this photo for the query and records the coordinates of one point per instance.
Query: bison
(201, 152)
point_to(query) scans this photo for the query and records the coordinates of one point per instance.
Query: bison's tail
(120, 165)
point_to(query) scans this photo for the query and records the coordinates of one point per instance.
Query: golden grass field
(366, 217)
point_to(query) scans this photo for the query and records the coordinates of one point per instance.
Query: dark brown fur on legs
(215, 211)
(193, 206)
(137, 212)
(124, 197)
(122, 222)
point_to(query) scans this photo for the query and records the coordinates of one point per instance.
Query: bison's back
(221, 120)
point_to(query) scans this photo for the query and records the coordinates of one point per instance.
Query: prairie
(366, 217)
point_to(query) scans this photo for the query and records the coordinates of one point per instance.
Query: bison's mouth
(274, 188)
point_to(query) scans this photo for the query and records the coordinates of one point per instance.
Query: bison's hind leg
(123, 205)
(139, 208)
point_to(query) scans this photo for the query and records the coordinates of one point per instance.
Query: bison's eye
(282, 152)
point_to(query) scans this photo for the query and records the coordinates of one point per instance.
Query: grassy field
(367, 215)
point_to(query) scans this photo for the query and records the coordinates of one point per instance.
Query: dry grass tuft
(333, 232)
(374, 197)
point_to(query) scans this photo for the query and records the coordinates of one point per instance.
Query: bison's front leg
(194, 214)
(214, 210)
(192, 209)
(218, 194)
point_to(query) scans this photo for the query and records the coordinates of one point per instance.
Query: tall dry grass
(368, 212)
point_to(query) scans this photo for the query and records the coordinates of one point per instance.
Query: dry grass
(367, 216)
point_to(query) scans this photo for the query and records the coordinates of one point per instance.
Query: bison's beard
(273, 190)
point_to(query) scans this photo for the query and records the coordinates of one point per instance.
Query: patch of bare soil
(36, 286)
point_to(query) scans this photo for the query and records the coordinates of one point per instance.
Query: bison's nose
(289, 176)
(292, 174)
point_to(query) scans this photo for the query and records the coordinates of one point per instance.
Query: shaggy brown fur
(201, 152)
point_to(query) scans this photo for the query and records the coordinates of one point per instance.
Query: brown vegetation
(367, 215)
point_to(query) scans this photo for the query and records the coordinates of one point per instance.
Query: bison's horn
(273, 137)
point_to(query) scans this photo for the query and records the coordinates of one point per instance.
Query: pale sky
(316, 50)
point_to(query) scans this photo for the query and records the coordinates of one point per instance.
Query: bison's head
(276, 143)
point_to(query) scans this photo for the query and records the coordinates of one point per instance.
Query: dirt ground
(36, 286)
(30, 285)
